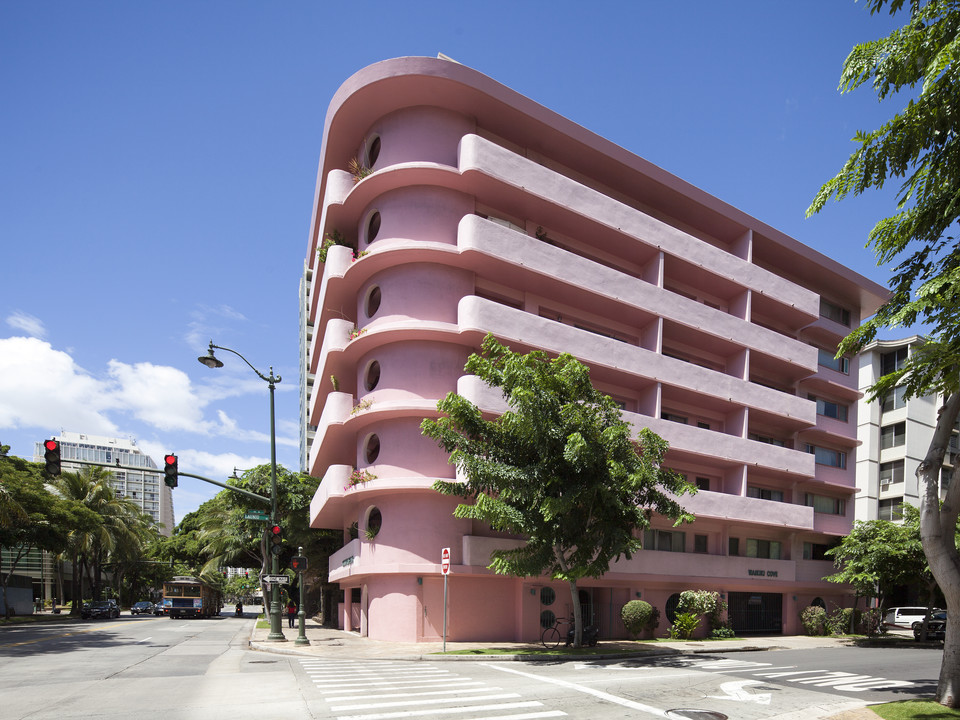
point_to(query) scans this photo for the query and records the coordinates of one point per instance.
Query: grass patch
(914, 710)
(37, 619)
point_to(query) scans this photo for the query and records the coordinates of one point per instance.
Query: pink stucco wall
(495, 215)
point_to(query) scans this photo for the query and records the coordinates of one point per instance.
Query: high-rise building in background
(145, 486)
(894, 434)
(449, 206)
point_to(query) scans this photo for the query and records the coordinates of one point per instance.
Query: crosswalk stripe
(442, 711)
(418, 703)
(374, 694)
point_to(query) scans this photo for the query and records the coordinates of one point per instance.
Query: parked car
(101, 609)
(936, 627)
(144, 606)
(905, 617)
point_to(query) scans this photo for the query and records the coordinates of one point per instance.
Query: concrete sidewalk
(328, 643)
(338, 643)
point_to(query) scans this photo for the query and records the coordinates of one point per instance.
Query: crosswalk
(383, 690)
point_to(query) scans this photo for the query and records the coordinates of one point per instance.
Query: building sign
(761, 573)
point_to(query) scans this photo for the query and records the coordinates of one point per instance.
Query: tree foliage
(877, 556)
(919, 147)
(559, 468)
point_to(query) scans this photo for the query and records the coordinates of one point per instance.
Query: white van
(905, 617)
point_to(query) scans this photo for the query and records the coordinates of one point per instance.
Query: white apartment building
(894, 434)
(143, 487)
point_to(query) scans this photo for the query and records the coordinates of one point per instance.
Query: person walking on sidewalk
(291, 613)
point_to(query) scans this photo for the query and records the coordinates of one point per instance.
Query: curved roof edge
(389, 85)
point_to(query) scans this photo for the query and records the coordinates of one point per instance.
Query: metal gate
(755, 612)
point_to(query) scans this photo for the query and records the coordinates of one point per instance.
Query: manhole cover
(695, 714)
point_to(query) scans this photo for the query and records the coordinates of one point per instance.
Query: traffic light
(276, 539)
(298, 563)
(51, 456)
(170, 470)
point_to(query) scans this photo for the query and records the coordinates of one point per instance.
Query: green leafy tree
(32, 518)
(919, 148)
(230, 540)
(559, 469)
(876, 557)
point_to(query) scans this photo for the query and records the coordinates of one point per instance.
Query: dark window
(834, 312)
(893, 435)
(373, 152)
(703, 483)
(892, 361)
(700, 543)
(891, 472)
(890, 509)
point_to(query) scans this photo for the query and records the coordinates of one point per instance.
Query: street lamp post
(211, 361)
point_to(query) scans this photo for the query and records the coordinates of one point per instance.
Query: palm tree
(118, 526)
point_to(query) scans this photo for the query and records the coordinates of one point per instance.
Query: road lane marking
(418, 703)
(444, 711)
(735, 691)
(657, 712)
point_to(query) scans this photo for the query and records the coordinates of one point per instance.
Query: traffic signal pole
(138, 468)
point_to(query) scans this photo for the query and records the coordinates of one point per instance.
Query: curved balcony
(517, 327)
(335, 498)
(747, 510)
(579, 202)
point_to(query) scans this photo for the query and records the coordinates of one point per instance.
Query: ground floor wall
(491, 608)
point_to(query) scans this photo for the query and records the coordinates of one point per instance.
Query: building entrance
(755, 612)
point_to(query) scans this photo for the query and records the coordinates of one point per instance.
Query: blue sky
(158, 162)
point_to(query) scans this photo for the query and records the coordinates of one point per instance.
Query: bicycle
(550, 638)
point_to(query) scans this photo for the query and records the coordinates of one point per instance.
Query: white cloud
(43, 388)
(29, 324)
(159, 395)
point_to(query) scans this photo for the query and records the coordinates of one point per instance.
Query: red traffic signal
(51, 456)
(170, 470)
(276, 539)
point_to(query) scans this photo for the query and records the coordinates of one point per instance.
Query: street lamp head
(210, 360)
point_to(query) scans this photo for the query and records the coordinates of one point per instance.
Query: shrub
(329, 240)
(698, 602)
(683, 625)
(814, 620)
(720, 633)
(871, 622)
(839, 621)
(639, 616)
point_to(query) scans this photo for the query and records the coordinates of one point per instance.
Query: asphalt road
(146, 667)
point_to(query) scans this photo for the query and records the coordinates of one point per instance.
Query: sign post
(298, 564)
(445, 569)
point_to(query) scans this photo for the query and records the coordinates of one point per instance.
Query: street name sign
(255, 515)
(282, 579)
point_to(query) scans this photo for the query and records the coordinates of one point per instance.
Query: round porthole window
(373, 152)
(670, 609)
(547, 619)
(372, 377)
(374, 522)
(373, 226)
(374, 296)
(371, 451)
(547, 596)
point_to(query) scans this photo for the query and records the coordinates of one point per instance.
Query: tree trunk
(577, 615)
(938, 535)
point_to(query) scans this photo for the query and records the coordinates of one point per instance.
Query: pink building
(485, 212)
